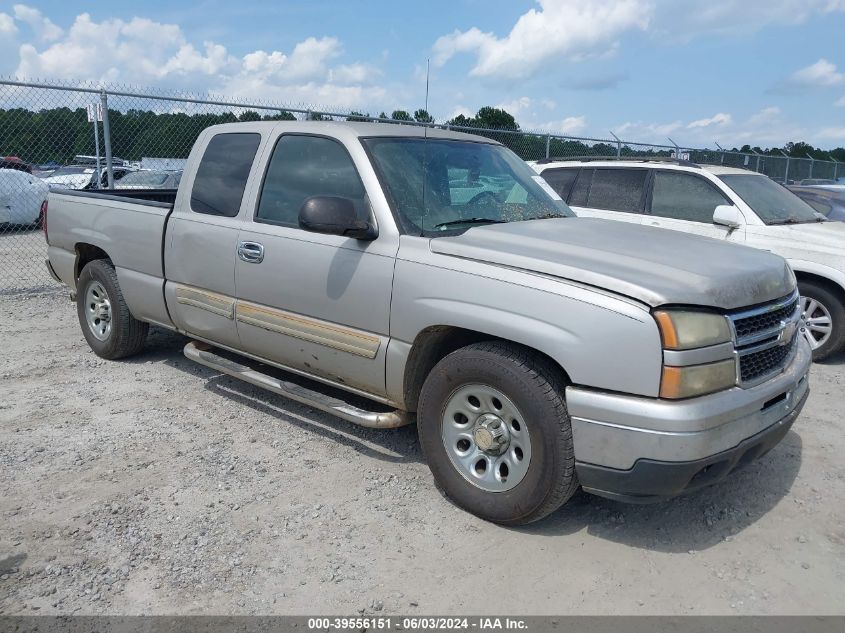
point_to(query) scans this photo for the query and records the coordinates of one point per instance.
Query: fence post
(99, 171)
(548, 143)
(618, 145)
(835, 168)
(786, 174)
(107, 138)
(812, 160)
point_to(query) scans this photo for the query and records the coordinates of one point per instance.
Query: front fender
(600, 342)
(820, 270)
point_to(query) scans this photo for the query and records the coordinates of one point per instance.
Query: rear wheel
(111, 331)
(496, 434)
(824, 319)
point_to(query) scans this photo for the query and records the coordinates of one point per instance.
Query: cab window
(222, 173)
(302, 167)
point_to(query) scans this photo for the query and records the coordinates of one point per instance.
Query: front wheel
(824, 319)
(495, 432)
(108, 326)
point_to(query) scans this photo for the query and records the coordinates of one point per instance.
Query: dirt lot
(156, 486)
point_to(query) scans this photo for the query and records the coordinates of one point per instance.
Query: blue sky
(698, 71)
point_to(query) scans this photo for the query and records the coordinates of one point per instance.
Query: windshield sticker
(547, 188)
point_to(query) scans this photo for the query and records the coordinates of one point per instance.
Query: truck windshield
(437, 187)
(773, 203)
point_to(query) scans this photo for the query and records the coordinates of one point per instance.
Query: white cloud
(766, 127)
(461, 110)
(823, 74)
(840, 102)
(574, 30)
(684, 20)
(570, 125)
(354, 74)
(655, 132)
(43, 27)
(831, 134)
(566, 29)
(717, 119)
(141, 51)
(7, 24)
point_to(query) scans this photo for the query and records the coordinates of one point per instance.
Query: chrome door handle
(251, 252)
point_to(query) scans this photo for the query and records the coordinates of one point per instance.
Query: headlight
(697, 380)
(683, 330)
(686, 329)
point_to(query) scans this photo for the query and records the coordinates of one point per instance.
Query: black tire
(537, 389)
(127, 334)
(833, 304)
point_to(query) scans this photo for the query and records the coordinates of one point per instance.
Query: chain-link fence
(86, 136)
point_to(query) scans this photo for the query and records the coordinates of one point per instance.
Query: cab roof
(361, 129)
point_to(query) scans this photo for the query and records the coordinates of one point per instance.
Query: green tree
(422, 116)
(400, 115)
(282, 115)
(249, 115)
(358, 116)
(495, 118)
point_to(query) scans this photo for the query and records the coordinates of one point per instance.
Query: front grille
(760, 342)
(758, 364)
(753, 324)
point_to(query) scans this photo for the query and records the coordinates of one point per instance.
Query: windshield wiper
(469, 221)
(789, 221)
(547, 216)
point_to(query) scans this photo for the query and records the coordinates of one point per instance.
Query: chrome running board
(202, 354)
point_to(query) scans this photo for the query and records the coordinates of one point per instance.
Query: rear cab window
(222, 173)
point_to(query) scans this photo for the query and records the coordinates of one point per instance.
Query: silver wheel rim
(818, 324)
(98, 310)
(486, 437)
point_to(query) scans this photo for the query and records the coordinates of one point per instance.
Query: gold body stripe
(204, 300)
(307, 329)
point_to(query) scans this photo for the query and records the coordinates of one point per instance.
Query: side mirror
(334, 216)
(728, 215)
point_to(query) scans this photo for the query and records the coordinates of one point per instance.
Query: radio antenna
(427, 71)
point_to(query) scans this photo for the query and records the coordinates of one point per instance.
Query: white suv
(724, 203)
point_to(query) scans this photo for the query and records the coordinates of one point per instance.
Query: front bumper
(640, 449)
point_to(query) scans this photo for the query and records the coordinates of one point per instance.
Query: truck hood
(655, 266)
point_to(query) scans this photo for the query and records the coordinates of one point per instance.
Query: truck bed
(163, 196)
(126, 224)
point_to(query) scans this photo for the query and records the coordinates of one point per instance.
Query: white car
(23, 198)
(725, 203)
(82, 177)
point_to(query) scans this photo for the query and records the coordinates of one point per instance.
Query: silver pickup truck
(391, 274)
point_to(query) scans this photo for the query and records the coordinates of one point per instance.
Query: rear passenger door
(202, 236)
(610, 193)
(682, 201)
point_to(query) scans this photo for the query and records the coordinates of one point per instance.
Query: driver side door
(315, 303)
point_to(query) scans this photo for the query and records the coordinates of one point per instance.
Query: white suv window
(610, 189)
(684, 197)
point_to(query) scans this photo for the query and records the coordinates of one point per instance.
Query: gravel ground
(157, 486)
